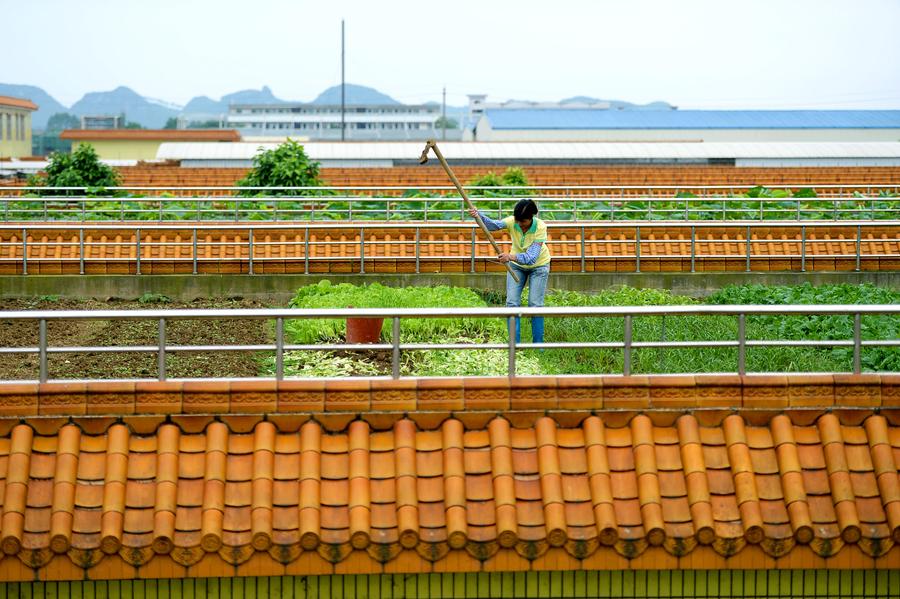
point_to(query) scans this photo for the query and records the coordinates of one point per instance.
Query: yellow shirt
(537, 233)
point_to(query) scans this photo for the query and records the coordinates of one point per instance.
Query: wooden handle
(433, 145)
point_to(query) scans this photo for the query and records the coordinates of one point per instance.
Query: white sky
(695, 53)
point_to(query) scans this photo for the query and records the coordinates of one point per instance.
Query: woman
(529, 259)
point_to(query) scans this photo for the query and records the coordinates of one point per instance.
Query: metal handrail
(570, 206)
(885, 185)
(627, 345)
(637, 246)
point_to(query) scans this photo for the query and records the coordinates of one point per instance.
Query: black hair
(524, 210)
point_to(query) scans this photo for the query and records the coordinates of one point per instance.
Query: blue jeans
(536, 279)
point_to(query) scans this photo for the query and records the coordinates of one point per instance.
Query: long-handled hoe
(432, 145)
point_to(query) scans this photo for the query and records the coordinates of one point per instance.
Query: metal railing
(413, 242)
(571, 203)
(627, 345)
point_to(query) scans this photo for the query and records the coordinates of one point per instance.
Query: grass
(591, 361)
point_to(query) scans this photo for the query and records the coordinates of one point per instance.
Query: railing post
(42, 350)
(417, 249)
(511, 365)
(80, 251)
(161, 352)
(362, 250)
(194, 251)
(250, 249)
(582, 250)
(803, 248)
(626, 361)
(306, 251)
(748, 248)
(742, 344)
(138, 250)
(858, 247)
(637, 248)
(24, 251)
(857, 343)
(279, 348)
(472, 259)
(693, 248)
(395, 347)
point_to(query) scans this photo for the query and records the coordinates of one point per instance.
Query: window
(8, 126)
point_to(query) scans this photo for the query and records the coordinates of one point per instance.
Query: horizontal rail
(567, 207)
(396, 315)
(451, 187)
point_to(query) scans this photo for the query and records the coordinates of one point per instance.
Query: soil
(123, 365)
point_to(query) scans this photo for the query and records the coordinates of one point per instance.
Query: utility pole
(444, 115)
(343, 97)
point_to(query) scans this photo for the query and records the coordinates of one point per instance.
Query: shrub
(81, 168)
(510, 177)
(284, 166)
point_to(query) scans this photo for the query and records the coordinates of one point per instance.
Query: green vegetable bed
(562, 361)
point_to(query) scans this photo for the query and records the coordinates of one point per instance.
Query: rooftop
(213, 135)
(553, 118)
(17, 103)
(540, 150)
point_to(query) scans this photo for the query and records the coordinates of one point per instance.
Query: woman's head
(524, 212)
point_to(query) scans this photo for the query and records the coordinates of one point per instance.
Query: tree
(450, 122)
(512, 176)
(210, 124)
(171, 123)
(81, 168)
(285, 166)
(61, 121)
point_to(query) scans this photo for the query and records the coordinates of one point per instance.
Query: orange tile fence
(145, 248)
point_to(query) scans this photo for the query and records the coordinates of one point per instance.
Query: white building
(589, 124)
(369, 122)
(393, 154)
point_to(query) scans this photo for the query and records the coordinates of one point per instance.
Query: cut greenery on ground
(561, 361)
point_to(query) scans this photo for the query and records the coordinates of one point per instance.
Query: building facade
(362, 122)
(512, 123)
(15, 126)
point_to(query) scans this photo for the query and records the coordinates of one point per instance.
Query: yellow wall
(123, 149)
(15, 132)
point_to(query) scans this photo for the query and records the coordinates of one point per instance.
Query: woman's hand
(504, 258)
(473, 212)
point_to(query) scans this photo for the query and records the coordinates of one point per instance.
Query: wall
(10, 147)
(124, 148)
(485, 132)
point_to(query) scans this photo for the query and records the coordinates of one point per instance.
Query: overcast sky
(693, 53)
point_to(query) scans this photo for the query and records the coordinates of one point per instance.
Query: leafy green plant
(154, 298)
(80, 168)
(285, 166)
(510, 177)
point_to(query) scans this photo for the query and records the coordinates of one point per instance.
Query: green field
(581, 361)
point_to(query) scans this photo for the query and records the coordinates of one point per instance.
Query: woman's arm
(491, 224)
(530, 255)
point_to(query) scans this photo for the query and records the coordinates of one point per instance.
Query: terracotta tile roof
(294, 493)
(17, 103)
(337, 249)
(152, 134)
(419, 177)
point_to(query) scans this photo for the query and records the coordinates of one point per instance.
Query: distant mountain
(47, 104)
(355, 94)
(207, 106)
(619, 104)
(137, 108)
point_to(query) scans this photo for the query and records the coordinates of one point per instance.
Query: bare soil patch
(119, 365)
